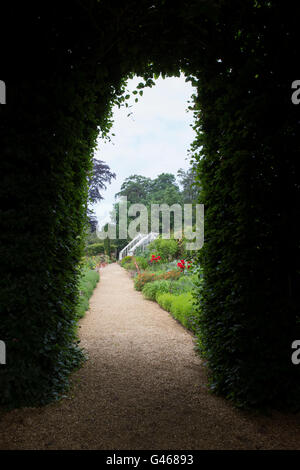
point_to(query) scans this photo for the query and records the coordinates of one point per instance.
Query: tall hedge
(249, 170)
(48, 130)
(62, 81)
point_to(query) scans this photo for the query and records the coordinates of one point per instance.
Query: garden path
(143, 387)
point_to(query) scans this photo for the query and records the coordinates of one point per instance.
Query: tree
(143, 190)
(163, 181)
(136, 188)
(164, 189)
(190, 187)
(101, 175)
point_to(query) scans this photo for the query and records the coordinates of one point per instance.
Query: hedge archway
(63, 76)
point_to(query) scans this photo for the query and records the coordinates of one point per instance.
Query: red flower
(181, 265)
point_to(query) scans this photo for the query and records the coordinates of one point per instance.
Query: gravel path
(143, 387)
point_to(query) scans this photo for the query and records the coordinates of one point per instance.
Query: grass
(87, 284)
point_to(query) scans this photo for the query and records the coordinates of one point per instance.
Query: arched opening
(241, 60)
(149, 156)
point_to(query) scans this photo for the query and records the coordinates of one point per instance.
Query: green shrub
(126, 260)
(142, 262)
(155, 267)
(171, 275)
(145, 277)
(142, 279)
(183, 284)
(181, 307)
(91, 238)
(91, 261)
(87, 284)
(129, 262)
(165, 300)
(131, 266)
(166, 249)
(94, 249)
(152, 289)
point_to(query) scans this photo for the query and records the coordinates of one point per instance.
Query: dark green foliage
(136, 188)
(161, 190)
(94, 249)
(249, 300)
(48, 132)
(62, 81)
(42, 221)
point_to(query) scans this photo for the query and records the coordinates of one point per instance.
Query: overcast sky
(154, 139)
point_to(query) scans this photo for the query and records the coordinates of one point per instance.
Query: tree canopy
(101, 175)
